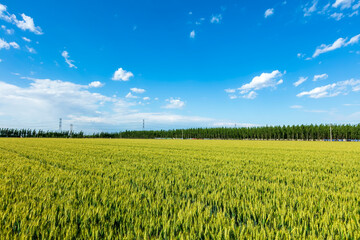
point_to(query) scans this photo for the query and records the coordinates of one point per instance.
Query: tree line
(294, 132)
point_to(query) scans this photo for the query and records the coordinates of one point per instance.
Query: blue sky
(106, 65)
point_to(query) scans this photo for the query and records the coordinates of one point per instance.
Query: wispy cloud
(130, 95)
(250, 95)
(192, 34)
(296, 107)
(30, 49)
(229, 90)
(216, 18)
(269, 12)
(66, 56)
(339, 43)
(14, 45)
(332, 90)
(320, 77)
(337, 16)
(174, 103)
(343, 4)
(308, 10)
(353, 40)
(300, 81)
(26, 39)
(138, 90)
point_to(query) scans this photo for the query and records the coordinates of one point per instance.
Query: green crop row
(178, 189)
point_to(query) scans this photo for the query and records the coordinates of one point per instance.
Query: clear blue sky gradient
(152, 40)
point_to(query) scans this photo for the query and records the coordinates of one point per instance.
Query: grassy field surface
(178, 189)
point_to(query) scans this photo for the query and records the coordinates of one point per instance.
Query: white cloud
(353, 40)
(26, 39)
(66, 56)
(138, 90)
(327, 48)
(216, 18)
(356, 6)
(146, 98)
(14, 45)
(343, 3)
(40, 105)
(263, 81)
(6, 45)
(332, 90)
(308, 11)
(320, 77)
(325, 9)
(46, 100)
(122, 75)
(296, 107)
(339, 43)
(96, 84)
(337, 16)
(269, 12)
(174, 103)
(129, 95)
(354, 13)
(30, 49)
(320, 92)
(27, 23)
(192, 34)
(300, 81)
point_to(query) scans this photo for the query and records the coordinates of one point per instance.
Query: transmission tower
(60, 124)
(143, 124)
(71, 129)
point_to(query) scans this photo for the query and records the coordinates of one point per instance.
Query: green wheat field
(178, 189)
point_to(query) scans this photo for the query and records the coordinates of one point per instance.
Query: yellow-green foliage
(178, 189)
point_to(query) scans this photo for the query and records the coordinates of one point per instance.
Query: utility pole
(60, 124)
(143, 124)
(330, 134)
(182, 134)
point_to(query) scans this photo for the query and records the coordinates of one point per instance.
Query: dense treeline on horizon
(295, 132)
